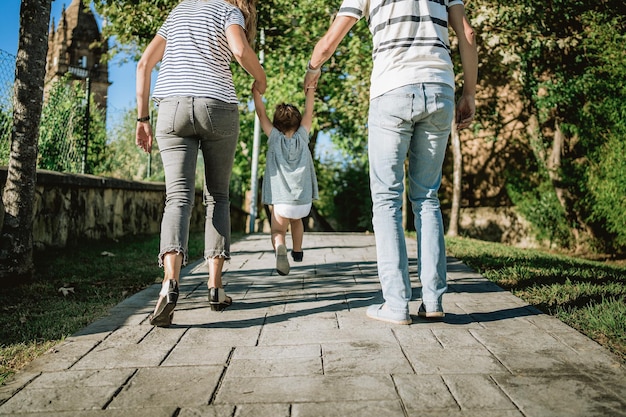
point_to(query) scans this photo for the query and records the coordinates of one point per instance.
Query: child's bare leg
(297, 234)
(279, 226)
(279, 230)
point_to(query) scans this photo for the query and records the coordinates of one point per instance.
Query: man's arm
(466, 106)
(326, 47)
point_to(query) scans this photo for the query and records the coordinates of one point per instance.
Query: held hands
(311, 77)
(259, 86)
(465, 110)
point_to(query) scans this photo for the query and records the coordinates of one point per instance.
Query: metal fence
(7, 76)
(63, 122)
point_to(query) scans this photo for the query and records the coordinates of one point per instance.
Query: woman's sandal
(164, 311)
(218, 300)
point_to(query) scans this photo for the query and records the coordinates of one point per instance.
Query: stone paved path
(301, 346)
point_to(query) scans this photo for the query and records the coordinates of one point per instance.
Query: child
(289, 183)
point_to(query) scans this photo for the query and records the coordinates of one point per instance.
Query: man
(411, 113)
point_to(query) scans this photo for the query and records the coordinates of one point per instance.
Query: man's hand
(465, 110)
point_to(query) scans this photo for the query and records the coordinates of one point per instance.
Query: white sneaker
(380, 312)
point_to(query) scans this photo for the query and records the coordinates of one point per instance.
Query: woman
(197, 110)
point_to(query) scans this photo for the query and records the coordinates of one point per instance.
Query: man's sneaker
(282, 263)
(430, 314)
(380, 312)
(297, 256)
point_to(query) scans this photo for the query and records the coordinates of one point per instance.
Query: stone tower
(76, 46)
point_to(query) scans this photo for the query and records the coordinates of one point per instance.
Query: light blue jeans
(413, 120)
(184, 125)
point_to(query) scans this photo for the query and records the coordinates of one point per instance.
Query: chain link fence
(66, 126)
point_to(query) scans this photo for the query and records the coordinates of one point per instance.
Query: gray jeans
(184, 125)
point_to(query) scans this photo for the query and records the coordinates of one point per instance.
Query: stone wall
(73, 207)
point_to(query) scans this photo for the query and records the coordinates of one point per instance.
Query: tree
(16, 250)
(562, 64)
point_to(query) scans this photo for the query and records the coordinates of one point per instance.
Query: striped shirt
(410, 41)
(196, 62)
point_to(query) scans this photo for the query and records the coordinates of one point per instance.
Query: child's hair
(287, 117)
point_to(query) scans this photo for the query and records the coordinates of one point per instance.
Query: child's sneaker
(282, 263)
(297, 256)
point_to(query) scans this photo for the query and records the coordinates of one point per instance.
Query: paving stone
(165, 386)
(221, 337)
(278, 337)
(477, 392)
(355, 358)
(305, 389)
(453, 361)
(282, 351)
(349, 409)
(424, 392)
(183, 355)
(275, 367)
(255, 410)
(571, 395)
(209, 411)
(58, 399)
(301, 345)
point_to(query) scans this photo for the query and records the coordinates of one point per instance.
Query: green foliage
(566, 62)
(345, 196)
(6, 122)
(123, 159)
(132, 23)
(535, 199)
(607, 185)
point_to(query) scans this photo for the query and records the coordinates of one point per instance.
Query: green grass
(587, 295)
(73, 288)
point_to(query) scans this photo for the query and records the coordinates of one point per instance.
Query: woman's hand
(143, 136)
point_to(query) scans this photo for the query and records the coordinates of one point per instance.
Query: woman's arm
(245, 56)
(150, 57)
(266, 124)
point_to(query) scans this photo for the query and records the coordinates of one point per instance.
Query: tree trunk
(453, 228)
(16, 249)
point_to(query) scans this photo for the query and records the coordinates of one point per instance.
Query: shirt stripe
(410, 41)
(196, 62)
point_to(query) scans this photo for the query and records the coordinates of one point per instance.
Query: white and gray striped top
(196, 62)
(410, 41)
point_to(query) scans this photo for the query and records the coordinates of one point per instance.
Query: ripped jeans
(184, 125)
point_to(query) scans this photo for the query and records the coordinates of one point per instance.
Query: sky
(122, 76)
